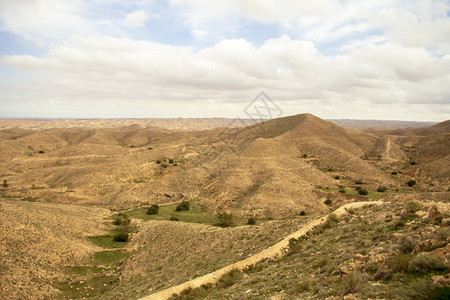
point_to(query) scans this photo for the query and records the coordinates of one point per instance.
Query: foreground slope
(37, 240)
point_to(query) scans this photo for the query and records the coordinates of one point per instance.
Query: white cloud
(119, 71)
(136, 19)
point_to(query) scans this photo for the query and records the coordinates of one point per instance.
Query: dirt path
(388, 150)
(274, 251)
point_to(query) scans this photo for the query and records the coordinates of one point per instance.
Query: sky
(336, 59)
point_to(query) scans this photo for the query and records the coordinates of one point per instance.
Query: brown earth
(55, 180)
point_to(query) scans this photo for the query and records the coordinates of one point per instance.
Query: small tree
(124, 221)
(382, 189)
(411, 183)
(183, 206)
(153, 210)
(251, 221)
(226, 220)
(363, 192)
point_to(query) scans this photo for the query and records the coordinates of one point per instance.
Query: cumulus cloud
(233, 71)
(347, 59)
(136, 19)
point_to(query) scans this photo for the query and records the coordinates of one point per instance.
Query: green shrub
(411, 183)
(302, 213)
(302, 286)
(406, 246)
(305, 155)
(352, 282)
(331, 221)
(117, 221)
(423, 289)
(121, 237)
(5, 183)
(382, 189)
(183, 206)
(328, 202)
(394, 173)
(400, 262)
(413, 207)
(423, 264)
(342, 191)
(158, 161)
(153, 210)
(41, 151)
(230, 278)
(337, 177)
(363, 192)
(359, 182)
(251, 221)
(358, 188)
(170, 161)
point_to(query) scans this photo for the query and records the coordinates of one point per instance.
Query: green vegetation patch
(108, 257)
(195, 214)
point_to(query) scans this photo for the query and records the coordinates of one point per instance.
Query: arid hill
(59, 184)
(268, 169)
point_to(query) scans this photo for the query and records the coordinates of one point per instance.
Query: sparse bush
(226, 220)
(41, 151)
(398, 224)
(251, 221)
(305, 155)
(394, 173)
(358, 188)
(363, 192)
(382, 189)
(158, 161)
(406, 246)
(423, 264)
(302, 213)
(337, 177)
(295, 245)
(121, 237)
(359, 182)
(183, 206)
(5, 183)
(331, 221)
(411, 183)
(331, 170)
(413, 163)
(423, 289)
(351, 211)
(400, 262)
(153, 210)
(413, 207)
(352, 282)
(149, 148)
(328, 202)
(372, 268)
(230, 278)
(342, 191)
(302, 286)
(173, 218)
(170, 161)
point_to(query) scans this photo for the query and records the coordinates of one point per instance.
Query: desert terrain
(65, 182)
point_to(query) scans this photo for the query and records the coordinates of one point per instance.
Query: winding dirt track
(274, 251)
